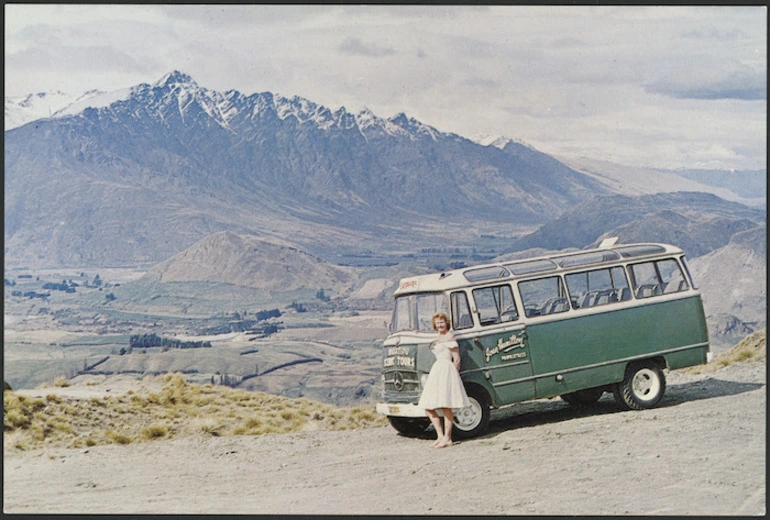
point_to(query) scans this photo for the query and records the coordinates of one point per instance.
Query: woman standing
(443, 389)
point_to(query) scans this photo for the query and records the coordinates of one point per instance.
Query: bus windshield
(415, 311)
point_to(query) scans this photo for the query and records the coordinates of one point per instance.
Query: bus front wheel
(472, 420)
(408, 426)
(643, 386)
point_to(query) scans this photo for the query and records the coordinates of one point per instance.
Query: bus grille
(398, 382)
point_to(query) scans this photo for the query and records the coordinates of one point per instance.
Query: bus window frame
(452, 300)
(413, 311)
(660, 284)
(498, 304)
(562, 291)
(686, 269)
(611, 270)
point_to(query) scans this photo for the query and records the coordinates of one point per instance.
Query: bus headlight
(423, 379)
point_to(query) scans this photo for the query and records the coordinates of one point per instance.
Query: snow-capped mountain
(24, 109)
(140, 174)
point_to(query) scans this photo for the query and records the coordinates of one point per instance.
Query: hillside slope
(251, 262)
(746, 187)
(733, 279)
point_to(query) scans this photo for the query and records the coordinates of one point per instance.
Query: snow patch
(498, 141)
(94, 99)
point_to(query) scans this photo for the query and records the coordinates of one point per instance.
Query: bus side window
(598, 287)
(495, 304)
(656, 278)
(543, 296)
(461, 311)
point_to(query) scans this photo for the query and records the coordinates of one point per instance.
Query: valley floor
(702, 452)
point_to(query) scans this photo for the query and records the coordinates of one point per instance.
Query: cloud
(243, 16)
(715, 33)
(746, 85)
(357, 47)
(574, 77)
(64, 60)
(568, 42)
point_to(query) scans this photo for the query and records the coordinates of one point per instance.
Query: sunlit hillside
(164, 408)
(752, 348)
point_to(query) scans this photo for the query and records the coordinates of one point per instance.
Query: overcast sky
(662, 86)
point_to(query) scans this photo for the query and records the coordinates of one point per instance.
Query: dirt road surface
(702, 452)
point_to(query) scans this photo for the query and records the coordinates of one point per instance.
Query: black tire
(642, 388)
(408, 426)
(586, 397)
(472, 420)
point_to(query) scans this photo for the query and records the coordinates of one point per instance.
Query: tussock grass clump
(155, 431)
(178, 409)
(118, 438)
(752, 348)
(61, 382)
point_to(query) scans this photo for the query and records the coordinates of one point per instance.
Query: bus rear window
(656, 278)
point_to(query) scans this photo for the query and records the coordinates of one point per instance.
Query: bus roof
(550, 263)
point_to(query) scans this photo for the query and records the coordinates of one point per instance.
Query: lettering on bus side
(514, 342)
(398, 361)
(398, 351)
(398, 357)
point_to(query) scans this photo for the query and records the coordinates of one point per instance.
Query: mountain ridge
(194, 161)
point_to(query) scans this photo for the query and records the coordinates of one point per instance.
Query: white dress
(443, 388)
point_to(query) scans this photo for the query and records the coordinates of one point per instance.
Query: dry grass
(751, 348)
(61, 381)
(178, 409)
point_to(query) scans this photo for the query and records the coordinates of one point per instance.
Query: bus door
(501, 344)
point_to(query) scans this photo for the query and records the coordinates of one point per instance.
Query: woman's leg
(436, 422)
(448, 423)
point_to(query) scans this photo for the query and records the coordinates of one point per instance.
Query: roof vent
(608, 242)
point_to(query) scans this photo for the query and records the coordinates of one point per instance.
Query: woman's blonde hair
(441, 315)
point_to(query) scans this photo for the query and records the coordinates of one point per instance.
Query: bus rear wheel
(408, 426)
(585, 397)
(643, 386)
(472, 420)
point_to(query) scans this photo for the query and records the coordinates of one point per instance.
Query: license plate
(394, 410)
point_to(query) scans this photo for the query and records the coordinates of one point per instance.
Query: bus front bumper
(400, 410)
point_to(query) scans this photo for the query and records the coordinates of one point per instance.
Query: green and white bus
(574, 325)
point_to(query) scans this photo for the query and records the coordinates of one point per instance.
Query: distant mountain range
(147, 173)
(697, 222)
(263, 191)
(748, 186)
(137, 176)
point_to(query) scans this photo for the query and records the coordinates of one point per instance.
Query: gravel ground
(701, 452)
